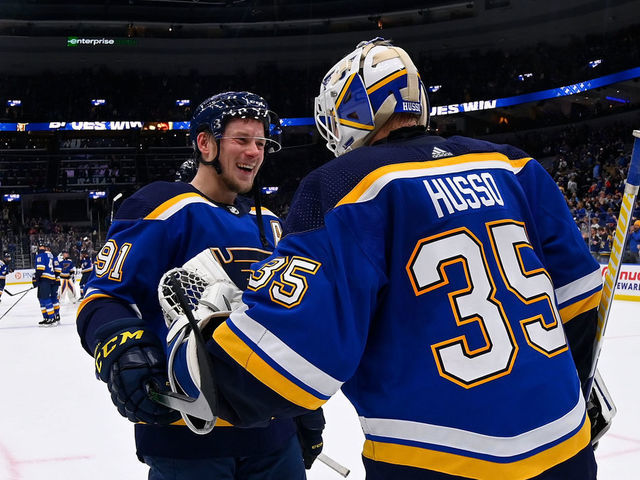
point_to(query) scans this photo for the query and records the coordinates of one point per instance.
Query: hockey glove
(310, 427)
(128, 359)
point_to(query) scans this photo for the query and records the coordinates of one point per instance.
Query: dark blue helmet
(186, 171)
(214, 112)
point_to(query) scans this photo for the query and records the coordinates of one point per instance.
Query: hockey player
(448, 281)
(86, 267)
(45, 280)
(67, 272)
(5, 269)
(120, 321)
(55, 294)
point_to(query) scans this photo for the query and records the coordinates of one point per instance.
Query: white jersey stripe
(579, 287)
(180, 205)
(477, 443)
(283, 355)
(375, 188)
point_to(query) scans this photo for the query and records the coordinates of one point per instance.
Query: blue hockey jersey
(4, 271)
(45, 266)
(445, 288)
(86, 266)
(66, 268)
(158, 228)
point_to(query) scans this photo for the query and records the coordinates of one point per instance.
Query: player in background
(86, 267)
(5, 269)
(67, 272)
(55, 294)
(46, 280)
(120, 321)
(442, 284)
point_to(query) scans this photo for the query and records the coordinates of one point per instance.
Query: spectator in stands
(633, 249)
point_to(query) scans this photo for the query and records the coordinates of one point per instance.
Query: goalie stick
(204, 406)
(617, 251)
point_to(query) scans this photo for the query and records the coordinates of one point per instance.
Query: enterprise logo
(93, 42)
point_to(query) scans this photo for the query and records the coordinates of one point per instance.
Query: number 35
(477, 302)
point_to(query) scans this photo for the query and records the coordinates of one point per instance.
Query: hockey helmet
(361, 92)
(186, 171)
(214, 112)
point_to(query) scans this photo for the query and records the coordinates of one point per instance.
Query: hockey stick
(24, 293)
(18, 293)
(331, 463)
(617, 250)
(205, 405)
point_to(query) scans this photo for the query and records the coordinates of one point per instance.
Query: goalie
(121, 324)
(67, 279)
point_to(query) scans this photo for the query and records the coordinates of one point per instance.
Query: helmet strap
(215, 163)
(257, 200)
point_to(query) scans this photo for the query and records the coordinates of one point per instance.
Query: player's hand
(128, 359)
(34, 282)
(310, 427)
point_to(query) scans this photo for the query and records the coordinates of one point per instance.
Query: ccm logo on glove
(103, 351)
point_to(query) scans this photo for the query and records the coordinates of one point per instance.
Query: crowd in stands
(590, 167)
(589, 164)
(22, 239)
(142, 96)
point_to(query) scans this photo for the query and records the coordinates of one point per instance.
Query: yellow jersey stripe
(452, 464)
(581, 306)
(415, 169)
(256, 366)
(263, 210)
(162, 211)
(219, 423)
(89, 299)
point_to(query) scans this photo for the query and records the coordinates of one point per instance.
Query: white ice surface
(57, 422)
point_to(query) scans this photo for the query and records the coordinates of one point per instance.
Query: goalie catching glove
(211, 295)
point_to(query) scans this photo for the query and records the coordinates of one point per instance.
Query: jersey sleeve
(304, 324)
(575, 274)
(127, 271)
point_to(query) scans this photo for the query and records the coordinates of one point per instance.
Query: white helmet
(361, 91)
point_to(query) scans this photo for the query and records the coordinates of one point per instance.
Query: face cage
(327, 123)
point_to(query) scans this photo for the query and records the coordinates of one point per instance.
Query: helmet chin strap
(215, 163)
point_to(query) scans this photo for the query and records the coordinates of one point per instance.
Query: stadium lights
(14, 103)
(183, 103)
(96, 102)
(434, 88)
(595, 63)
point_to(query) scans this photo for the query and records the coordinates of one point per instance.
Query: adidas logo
(440, 153)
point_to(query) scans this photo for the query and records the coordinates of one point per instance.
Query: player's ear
(207, 145)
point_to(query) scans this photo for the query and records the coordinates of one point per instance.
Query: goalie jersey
(445, 288)
(158, 228)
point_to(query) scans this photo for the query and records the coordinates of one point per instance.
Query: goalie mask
(361, 92)
(213, 114)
